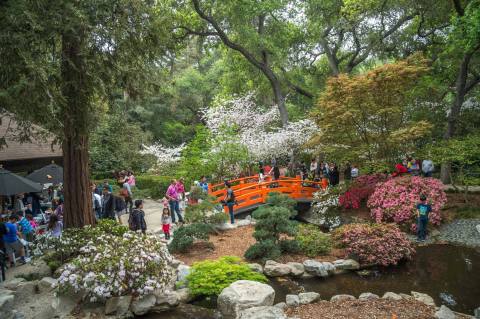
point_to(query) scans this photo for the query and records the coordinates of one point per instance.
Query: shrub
(381, 244)
(210, 277)
(395, 200)
(360, 190)
(207, 212)
(114, 266)
(313, 241)
(153, 185)
(273, 222)
(324, 208)
(185, 236)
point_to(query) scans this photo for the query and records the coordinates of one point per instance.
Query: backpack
(120, 204)
(131, 220)
(124, 192)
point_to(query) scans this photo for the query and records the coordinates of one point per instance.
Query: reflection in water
(450, 274)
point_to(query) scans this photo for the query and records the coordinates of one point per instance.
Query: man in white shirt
(427, 168)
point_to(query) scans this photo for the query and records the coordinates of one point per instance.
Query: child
(26, 228)
(55, 226)
(136, 221)
(32, 221)
(422, 215)
(166, 221)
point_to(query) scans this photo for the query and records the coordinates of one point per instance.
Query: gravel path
(461, 232)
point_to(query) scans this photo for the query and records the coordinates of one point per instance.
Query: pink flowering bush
(360, 190)
(380, 244)
(395, 200)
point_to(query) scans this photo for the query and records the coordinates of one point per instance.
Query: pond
(450, 274)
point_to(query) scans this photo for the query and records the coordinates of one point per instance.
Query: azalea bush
(380, 244)
(210, 277)
(114, 266)
(395, 200)
(313, 241)
(360, 190)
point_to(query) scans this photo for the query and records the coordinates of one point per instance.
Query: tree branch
(458, 7)
(189, 31)
(295, 87)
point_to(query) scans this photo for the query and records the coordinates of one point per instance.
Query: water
(450, 274)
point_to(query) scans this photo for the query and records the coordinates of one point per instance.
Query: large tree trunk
(78, 209)
(280, 101)
(452, 119)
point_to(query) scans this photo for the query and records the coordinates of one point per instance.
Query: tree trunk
(452, 119)
(280, 101)
(78, 209)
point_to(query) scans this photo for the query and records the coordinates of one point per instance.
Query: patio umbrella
(11, 184)
(51, 173)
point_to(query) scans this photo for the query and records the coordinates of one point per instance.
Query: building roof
(17, 150)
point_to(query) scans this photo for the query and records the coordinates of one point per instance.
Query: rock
(256, 267)
(6, 305)
(165, 301)
(329, 267)
(244, 294)
(306, 275)
(478, 228)
(118, 305)
(342, 298)
(426, 299)
(368, 296)
(47, 284)
(12, 284)
(405, 296)
(315, 267)
(175, 263)
(63, 304)
(297, 269)
(182, 272)
(308, 297)
(340, 271)
(346, 264)
(244, 222)
(476, 313)
(26, 290)
(434, 233)
(226, 226)
(292, 300)
(392, 295)
(281, 305)
(143, 304)
(184, 295)
(264, 312)
(444, 313)
(274, 269)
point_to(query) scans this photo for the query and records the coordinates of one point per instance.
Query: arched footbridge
(250, 193)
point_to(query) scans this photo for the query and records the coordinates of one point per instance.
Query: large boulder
(274, 269)
(297, 269)
(13, 283)
(392, 296)
(143, 304)
(182, 272)
(47, 284)
(329, 267)
(315, 267)
(444, 313)
(118, 305)
(165, 301)
(426, 299)
(6, 304)
(244, 294)
(63, 304)
(346, 264)
(292, 300)
(308, 297)
(367, 296)
(264, 312)
(256, 267)
(342, 298)
(184, 295)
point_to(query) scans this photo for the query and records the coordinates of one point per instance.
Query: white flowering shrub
(324, 206)
(165, 156)
(113, 266)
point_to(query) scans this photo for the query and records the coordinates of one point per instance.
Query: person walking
(203, 184)
(108, 204)
(334, 175)
(172, 196)
(181, 195)
(423, 209)
(166, 221)
(12, 241)
(136, 220)
(120, 207)
(427, 168)
(347, 173)
(126, 193)
(229, 201)
(354, 173)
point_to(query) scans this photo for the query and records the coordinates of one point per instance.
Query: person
(181, 194)
(267, 169)
(324, 181)
(229, 201)
(19, 205)
(166, 221)
(96, 202)
(276, 172)
(55, 226)
(203, 184)
(25, 228)
(136, 220)
(108, 204)
(126, 193)
(400, 169)
(120, 207)
(313, 168)
(354, 173)
(59, 209)
(427, 168)
(261, 173)
(423, 209)
(334, 175)
(413, 167)
(32, 221)
(29, 210)
(12, 241)
(131, 179)
(3, 261)
(347, 173)
(172, 196)
(303, 171)
(105, 184)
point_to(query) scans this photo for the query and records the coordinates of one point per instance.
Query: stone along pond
(450, 274)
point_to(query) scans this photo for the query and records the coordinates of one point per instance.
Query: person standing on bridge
(230, 201)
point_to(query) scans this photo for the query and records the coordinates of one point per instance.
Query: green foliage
(206, 212)
(467, 212)
(186, 235)
(273, 221)
(110, 226)
(313, 241)
(210, 277)
(153, 185)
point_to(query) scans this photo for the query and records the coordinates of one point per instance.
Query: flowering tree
(165, 156)
(395, 200)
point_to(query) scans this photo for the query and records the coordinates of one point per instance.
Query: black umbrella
(11, 184)
(51, 173)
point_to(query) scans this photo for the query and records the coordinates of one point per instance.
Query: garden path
(153, 213)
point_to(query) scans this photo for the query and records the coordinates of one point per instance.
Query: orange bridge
(250, 193)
